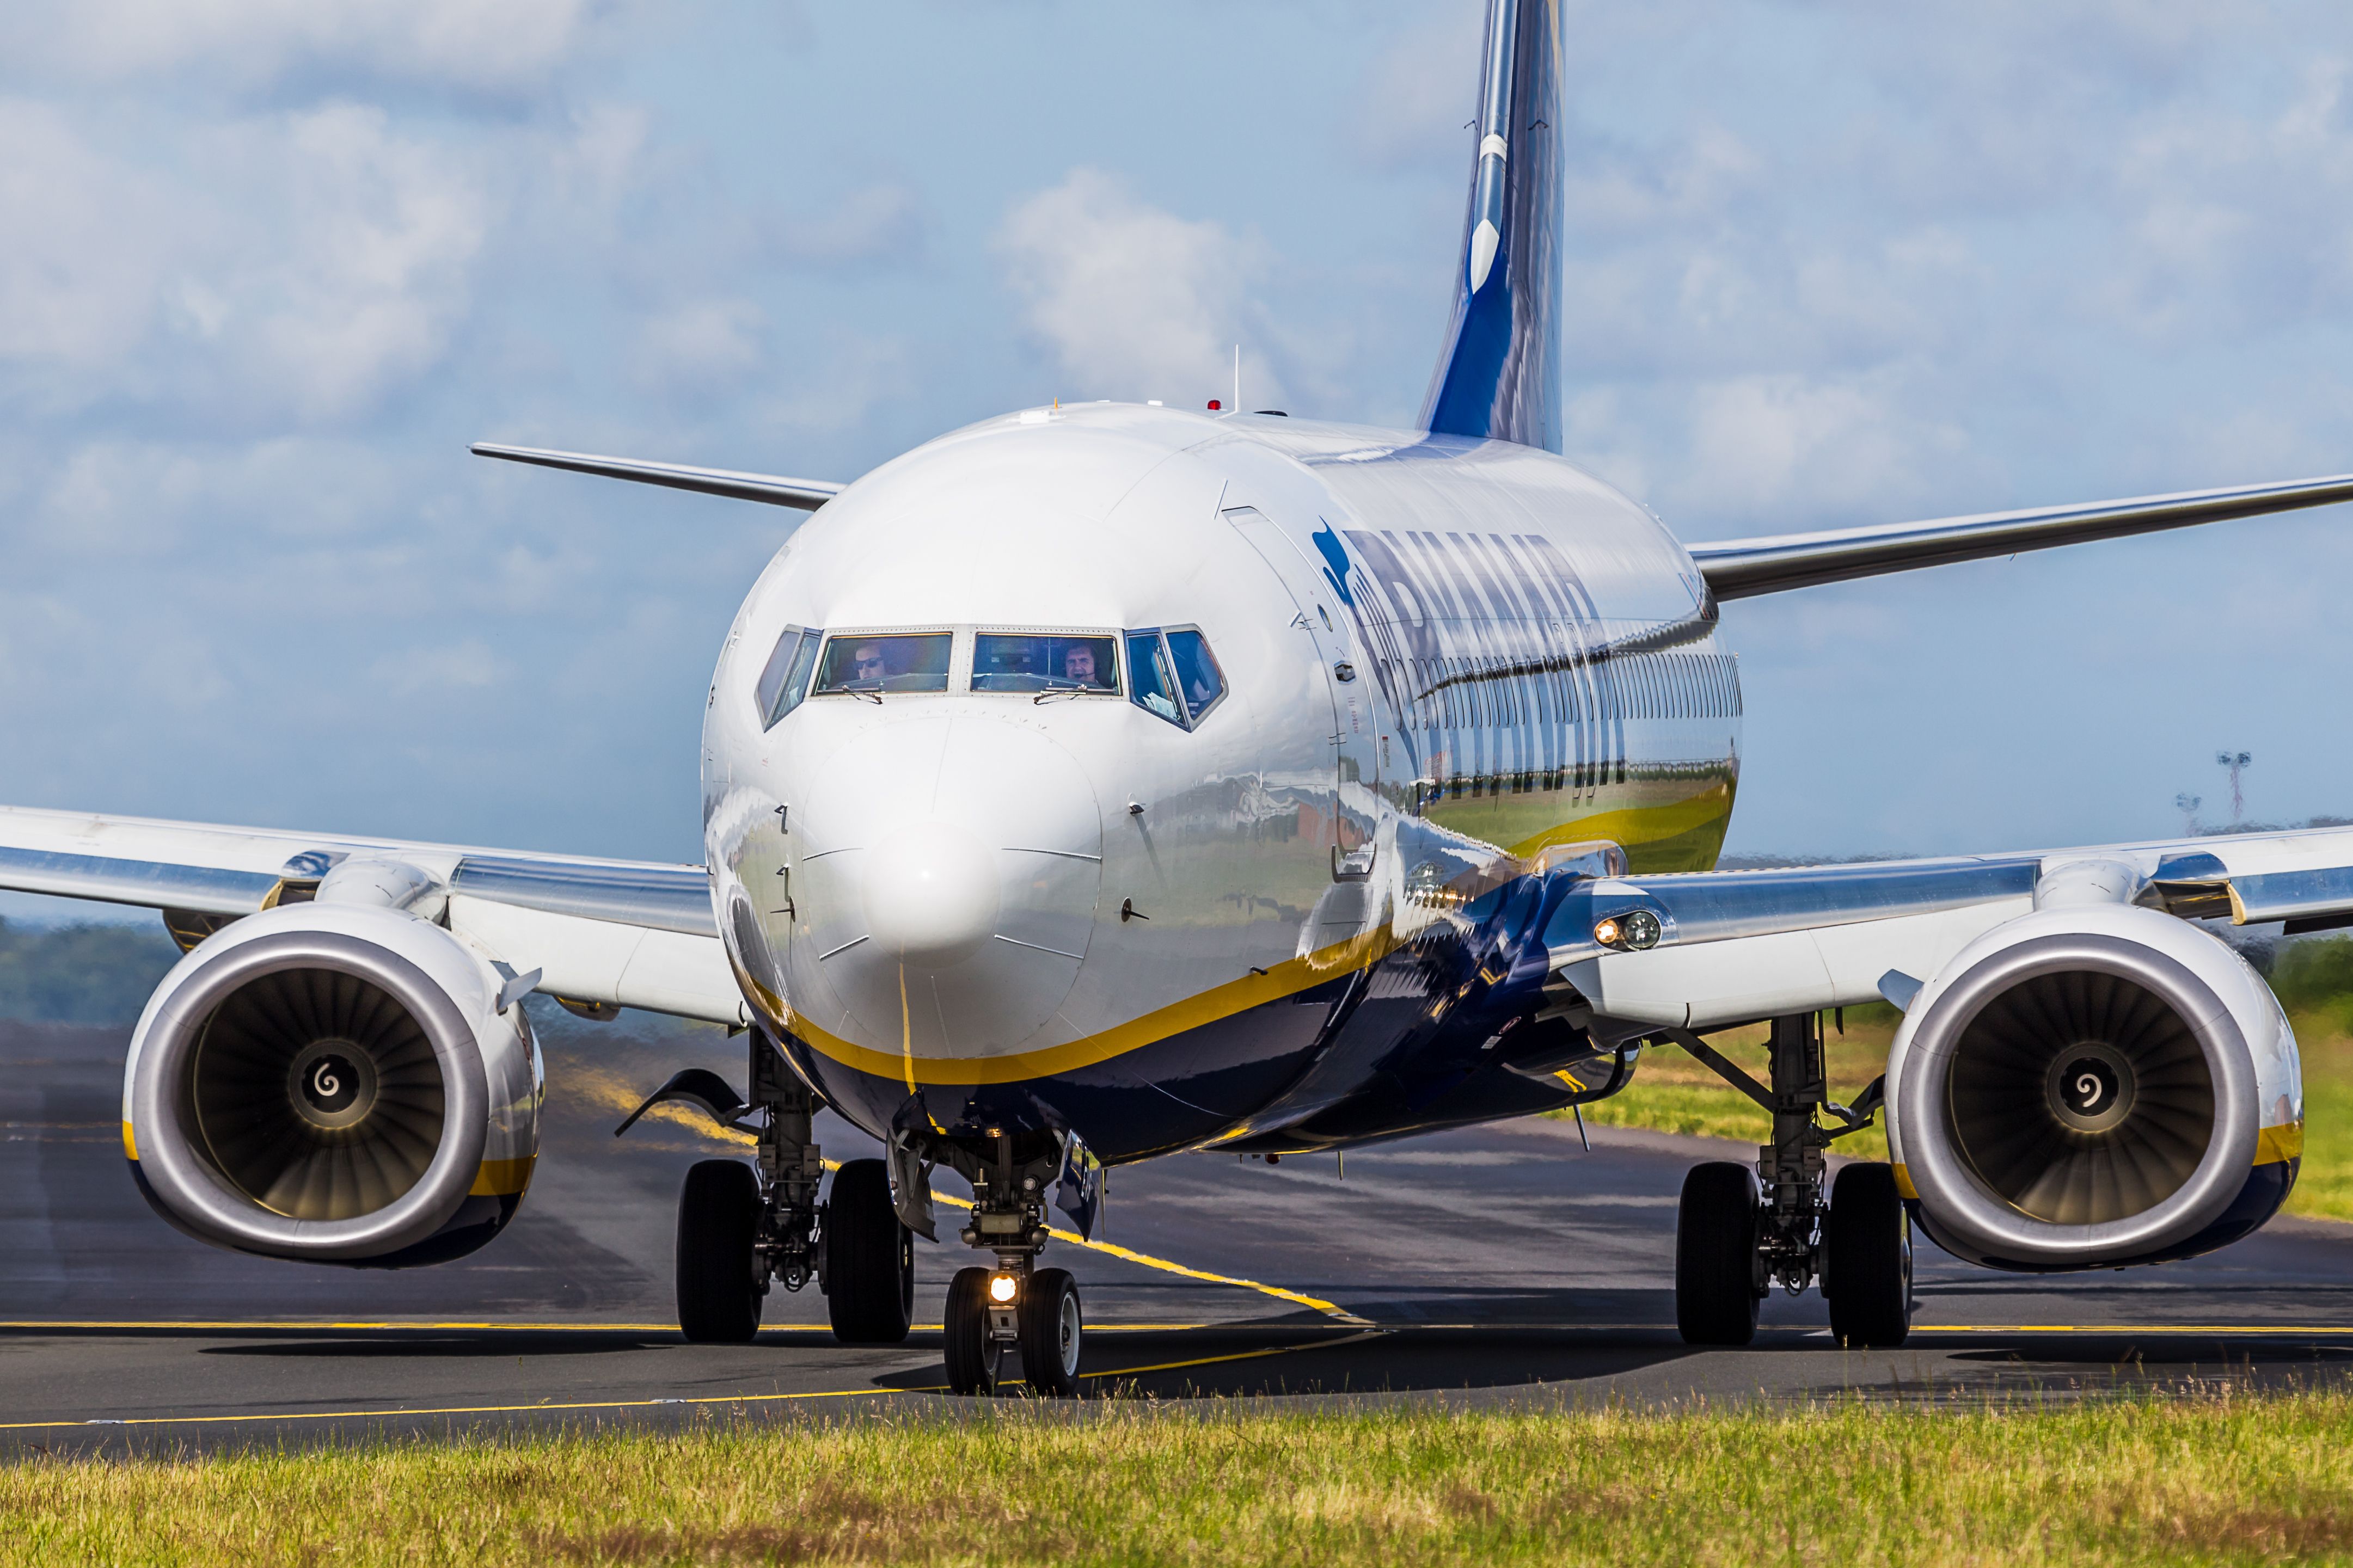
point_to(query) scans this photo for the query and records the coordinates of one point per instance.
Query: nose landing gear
(1016, 1305)
(1737, 1232)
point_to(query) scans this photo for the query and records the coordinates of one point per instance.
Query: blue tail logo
(1500, 375)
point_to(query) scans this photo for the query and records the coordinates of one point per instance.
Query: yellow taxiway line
(1330, 1309)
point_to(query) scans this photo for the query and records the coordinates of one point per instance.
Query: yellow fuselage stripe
(1285, 978)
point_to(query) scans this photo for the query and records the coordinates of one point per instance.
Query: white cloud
(378, 235)
(252, 42)
(1762, 445)
(466, 665)
(1132, 301)
(88, 249)
(702, 349)
(328, 267)
(1411, 101)
(874, 225)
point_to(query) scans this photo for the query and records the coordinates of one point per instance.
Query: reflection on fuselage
(1164, 900)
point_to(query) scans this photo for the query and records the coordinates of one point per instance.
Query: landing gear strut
(1033, 1312)
(743, 1228)
(1736, 1233)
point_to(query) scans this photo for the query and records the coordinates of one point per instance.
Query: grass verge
(2219, 1479)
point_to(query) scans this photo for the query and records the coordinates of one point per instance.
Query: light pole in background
(2237, 763)
(2188, 804)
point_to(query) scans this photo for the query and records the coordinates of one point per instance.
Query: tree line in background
(82, 973)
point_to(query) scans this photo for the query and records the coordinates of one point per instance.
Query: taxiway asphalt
(1496, 1265)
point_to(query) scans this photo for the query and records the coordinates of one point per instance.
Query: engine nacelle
(333, 1083)
(2094, 1086)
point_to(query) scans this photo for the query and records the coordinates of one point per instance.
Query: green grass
(2221, 1478)
(1672, 1092)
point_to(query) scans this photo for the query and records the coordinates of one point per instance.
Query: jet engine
(334, 1083)
(2093, 1086)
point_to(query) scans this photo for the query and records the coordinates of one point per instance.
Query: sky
(266, 267)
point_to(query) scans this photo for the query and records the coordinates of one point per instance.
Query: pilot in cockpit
(1079, 666)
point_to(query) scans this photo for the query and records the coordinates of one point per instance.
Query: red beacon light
(1215, 405)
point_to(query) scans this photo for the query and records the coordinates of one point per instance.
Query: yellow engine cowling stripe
(502, 1178)
(130, 1144)
(2274, 1144)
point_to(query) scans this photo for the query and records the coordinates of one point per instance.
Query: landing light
(1002, 1288)
(1631, 931)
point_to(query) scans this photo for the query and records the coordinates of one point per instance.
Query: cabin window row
(1487, 691)
(1169, 671)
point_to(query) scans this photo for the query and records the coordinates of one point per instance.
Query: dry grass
(2216, 1479)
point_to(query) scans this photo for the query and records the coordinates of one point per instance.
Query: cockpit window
(1044, 661)
(1199, 679)
(893, 661)
(786, 680)
(1149, 683)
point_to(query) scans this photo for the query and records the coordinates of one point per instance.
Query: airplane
(1102, 782)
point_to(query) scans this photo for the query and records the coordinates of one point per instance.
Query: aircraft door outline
(1356, 727)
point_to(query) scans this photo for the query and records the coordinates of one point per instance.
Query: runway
(1498, 1265)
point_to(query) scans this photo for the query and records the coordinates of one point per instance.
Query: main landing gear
(1740, 1231)
(742, 1228)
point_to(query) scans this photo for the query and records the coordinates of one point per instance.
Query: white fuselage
(1434, 653)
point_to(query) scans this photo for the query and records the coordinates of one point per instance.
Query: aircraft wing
(806, 495)
(1740, 568)
(1736, 946)
(627, 933)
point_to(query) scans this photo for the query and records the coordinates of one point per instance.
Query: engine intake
(334, 1084)
(317, 1095)
(2089, 1086)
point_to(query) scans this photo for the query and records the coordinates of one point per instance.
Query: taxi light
(1633, 932)
(1002, 1288)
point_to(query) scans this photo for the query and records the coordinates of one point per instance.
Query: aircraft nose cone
(933, 893)
(946, 872)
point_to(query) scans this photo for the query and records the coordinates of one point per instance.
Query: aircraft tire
(966, 1325)
(870, 1258)
(718, 1219)
(1053, 1331)
(1867, 1259)
(1715, 1256)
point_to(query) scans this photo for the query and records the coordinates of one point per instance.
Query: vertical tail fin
(1500, 375)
